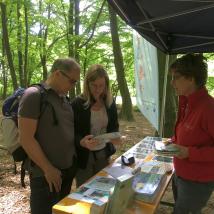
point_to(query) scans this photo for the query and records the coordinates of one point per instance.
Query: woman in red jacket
(193, 181)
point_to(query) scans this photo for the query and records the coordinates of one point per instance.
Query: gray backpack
(9, 125)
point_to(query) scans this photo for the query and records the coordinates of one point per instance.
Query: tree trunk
(70, 36)
(85, 61)
(19, 45)
(4, 72)
(26, 43)
(7, 45)
(170, 103)
(43, 34)
(77, 42)
(70, 29)
(126, 110)
(43, 58)
(171, 106)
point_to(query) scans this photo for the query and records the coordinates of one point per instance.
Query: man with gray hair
(47, 136)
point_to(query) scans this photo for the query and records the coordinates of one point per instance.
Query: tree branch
(94, 27)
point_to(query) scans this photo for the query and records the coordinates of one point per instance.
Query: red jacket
(195, 129)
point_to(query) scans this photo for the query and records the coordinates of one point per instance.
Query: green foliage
(210, 85)
(51, 17)
(209, 56)
(97, 50)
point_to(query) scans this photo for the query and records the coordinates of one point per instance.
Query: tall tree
(126, 110)
(7, 45)
(70, 31)
(25, 70)
(43, 38)
(43, 35)
(19, 44)
(70, 35)
(77, 39)
(171, 99)
(4, 72)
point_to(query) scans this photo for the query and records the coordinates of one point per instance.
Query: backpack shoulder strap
(40, 87)
(44, 102)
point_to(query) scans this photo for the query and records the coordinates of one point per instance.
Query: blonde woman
(95, 113)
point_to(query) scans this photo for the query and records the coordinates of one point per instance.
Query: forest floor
(15, 200)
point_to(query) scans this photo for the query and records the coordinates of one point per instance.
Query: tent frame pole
(176, 14)
(161, 127)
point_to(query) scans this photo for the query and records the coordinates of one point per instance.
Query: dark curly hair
(191, 65)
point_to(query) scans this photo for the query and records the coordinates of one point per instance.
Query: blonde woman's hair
(94, 72)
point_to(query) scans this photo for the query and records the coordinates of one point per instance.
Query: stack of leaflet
(162, 159)
(97, 200)
(155, 167)
(141, 150)
(122, 195)
(95, 193)
(147, 186)
(161, 148)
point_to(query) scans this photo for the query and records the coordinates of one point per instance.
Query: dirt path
(15, 200)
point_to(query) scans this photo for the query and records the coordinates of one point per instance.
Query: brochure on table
(90, 195)
(122, 195)
(95, 192)
(153, 171)
(117, 170)
(145, 185)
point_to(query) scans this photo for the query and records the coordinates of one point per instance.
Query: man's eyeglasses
(72, 81)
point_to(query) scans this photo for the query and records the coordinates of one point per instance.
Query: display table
(68, 205)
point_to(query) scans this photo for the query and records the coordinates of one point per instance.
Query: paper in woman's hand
(104, 138)
(166, 149)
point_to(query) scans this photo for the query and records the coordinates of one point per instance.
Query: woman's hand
(183, 151)
(167, 141)
(88, 142)
(117, 141)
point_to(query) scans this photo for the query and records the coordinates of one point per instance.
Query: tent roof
(173, 26)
